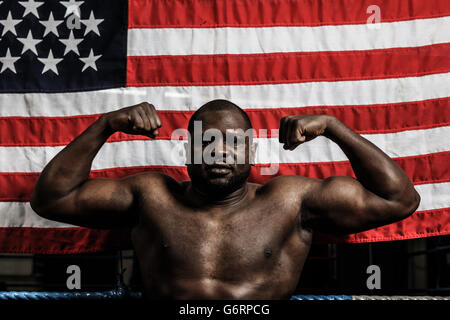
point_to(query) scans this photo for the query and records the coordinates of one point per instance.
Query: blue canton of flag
(54, 46)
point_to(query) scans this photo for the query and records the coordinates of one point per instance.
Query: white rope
(400, 298)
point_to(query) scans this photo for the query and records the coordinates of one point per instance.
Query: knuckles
(145, 116)
(297, 129)
(141, 118)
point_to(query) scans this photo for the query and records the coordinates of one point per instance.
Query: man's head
(220, 148)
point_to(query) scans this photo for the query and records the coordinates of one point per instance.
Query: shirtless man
(218, 236)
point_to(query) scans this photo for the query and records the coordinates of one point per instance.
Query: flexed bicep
(341, 205)
(382, 193)
(97, 203)
(64, 192)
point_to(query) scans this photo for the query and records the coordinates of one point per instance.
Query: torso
(254, 252)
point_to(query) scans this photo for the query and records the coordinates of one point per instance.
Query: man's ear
(253, 153)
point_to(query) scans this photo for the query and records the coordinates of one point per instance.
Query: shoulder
(288, 192)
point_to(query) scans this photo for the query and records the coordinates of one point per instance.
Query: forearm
(376, 171)
(71, 166)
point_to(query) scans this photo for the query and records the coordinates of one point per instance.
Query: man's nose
(222, 150)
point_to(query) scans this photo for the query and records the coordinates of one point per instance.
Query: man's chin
(219, 184)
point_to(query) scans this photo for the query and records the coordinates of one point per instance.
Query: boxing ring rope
(366, 297)
(45, 296)
(123, 294)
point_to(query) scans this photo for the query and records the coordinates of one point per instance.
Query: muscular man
(218, 236)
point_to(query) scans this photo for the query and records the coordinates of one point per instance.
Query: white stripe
(339, 93)
(230, 40)
(169, 152)
(321, 149)
(434, 195)
(20, 214)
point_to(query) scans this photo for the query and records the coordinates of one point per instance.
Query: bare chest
(214, 242)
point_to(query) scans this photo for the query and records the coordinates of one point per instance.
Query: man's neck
(232, 199)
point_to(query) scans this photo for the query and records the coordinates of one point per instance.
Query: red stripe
(421, 224)
(82, 240)
(265, 13)
(57, 131)
(421, 169)
(292, 67)
(62, 240)
(18, 186)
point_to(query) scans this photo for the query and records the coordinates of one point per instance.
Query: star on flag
(72, 6)
(92, 24)
(29, 43)
(51, 25)
(31, 7)
(9, 24)
(8, 62)
(90, 61)
(50, 63)
(71, 43)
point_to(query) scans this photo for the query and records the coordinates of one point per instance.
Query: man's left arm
(381, 194)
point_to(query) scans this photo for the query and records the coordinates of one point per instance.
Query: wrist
(331, 124)
(105, 125)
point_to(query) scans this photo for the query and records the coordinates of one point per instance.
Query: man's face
(220, 152)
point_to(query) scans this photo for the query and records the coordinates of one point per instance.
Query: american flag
(381, 67)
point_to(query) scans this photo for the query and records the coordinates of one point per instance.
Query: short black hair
(218, 105)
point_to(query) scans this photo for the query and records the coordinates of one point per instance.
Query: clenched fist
(294, 130)
(139, 119)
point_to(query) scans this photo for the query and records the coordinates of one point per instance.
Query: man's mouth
(219, 169)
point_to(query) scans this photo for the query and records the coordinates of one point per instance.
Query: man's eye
(237, 142)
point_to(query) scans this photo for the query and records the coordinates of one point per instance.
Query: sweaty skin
(218, 236)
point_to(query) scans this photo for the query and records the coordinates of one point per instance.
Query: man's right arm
(63, 191)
